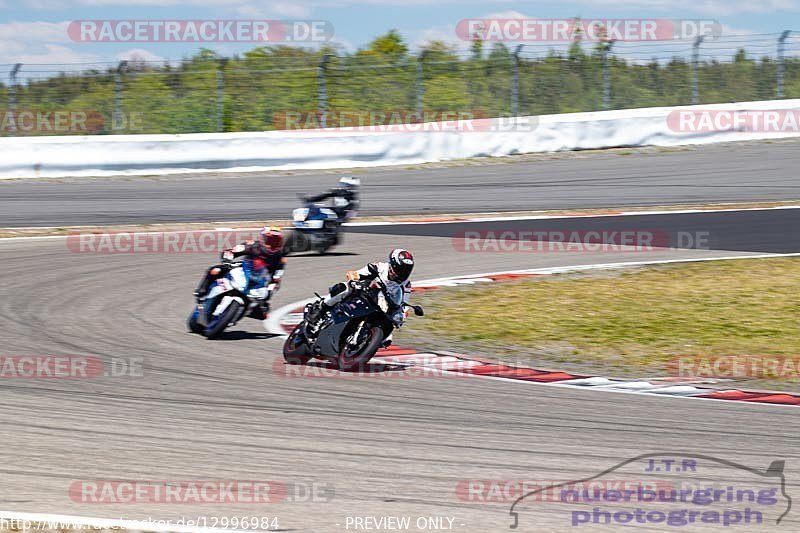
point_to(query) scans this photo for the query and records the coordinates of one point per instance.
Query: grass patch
(637, 319)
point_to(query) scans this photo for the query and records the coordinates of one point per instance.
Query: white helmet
(401, 263)
(349, 182)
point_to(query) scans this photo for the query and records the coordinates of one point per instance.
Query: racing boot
(212, 274)
(261, 311)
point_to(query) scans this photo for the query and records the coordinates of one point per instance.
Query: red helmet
(272, 238)
(401, 263)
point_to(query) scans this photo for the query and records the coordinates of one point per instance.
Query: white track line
(597, 266)
(273, 325)
(620, 391)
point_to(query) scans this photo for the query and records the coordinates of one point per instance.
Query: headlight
(300, 214)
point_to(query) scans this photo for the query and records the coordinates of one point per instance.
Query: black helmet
(401, 263)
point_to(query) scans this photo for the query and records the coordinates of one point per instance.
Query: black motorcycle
(350, 333)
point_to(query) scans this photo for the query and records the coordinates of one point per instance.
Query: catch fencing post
(696, 69)
(220, 94)
(781, 64)
(420, 83)
(12, 99)
(515, 81)
(606, 74)
(117, 120)
(322, 91)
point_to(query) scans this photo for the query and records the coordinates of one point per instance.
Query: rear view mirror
(373, 269)
(418, 310)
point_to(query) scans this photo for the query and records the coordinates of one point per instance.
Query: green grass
(636, 319)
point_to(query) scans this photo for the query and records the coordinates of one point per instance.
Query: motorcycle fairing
(341, 315)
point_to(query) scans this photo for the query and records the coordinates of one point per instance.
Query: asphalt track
(720, 173)
(764, 231)
(385, 444)
(390, 444)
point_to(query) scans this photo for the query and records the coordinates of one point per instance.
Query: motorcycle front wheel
(355, 355)
(192, 323)
(220, 322)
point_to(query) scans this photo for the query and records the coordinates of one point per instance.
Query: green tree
(391, 44)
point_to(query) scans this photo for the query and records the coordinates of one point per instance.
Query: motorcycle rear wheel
(295, 242)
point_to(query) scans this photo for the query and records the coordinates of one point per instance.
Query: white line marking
(273, 322)
(565, 385)
(574, 268)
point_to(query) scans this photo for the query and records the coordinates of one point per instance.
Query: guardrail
(402, 144)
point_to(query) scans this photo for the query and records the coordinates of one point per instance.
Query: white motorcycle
(228, 300)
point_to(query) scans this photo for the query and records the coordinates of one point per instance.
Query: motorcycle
(353, 330)
(315, 227)
(227, 301)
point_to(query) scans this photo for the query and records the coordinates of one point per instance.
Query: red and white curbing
(283, 320)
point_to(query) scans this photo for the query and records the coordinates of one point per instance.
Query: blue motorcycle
(229, 298)
(316, 227)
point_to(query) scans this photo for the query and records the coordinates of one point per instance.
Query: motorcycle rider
(345, 198)
(396, 269)
(265, 264)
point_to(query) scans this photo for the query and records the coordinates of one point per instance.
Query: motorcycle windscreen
(394, 294)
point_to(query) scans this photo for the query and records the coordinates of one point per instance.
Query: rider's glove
(227, 255)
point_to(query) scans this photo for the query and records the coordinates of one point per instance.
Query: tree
(390, 44)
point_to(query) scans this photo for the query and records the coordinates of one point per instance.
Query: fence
(285, 88)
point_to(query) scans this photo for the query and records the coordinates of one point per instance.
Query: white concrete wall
(237, 152)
